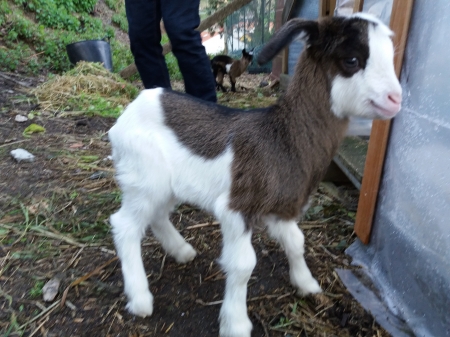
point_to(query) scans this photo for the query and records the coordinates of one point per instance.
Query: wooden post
(283, 13)
(326, 7)
(358, 6)
(332, 7)
(400, 19)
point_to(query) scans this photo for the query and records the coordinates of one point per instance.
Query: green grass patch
(33, 44)
(120, 20)
(171, 61)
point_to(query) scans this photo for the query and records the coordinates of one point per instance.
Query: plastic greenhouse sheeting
(408, 258)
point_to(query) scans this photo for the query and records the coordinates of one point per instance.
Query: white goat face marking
(373, 92)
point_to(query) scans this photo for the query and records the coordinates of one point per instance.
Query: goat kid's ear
(305, 29)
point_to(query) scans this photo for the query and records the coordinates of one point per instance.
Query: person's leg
(144, 17)
(181, 18)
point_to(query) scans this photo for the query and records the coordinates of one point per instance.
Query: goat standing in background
(255, 167)
(223, 64)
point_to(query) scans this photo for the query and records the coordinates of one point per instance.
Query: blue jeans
(181, 18)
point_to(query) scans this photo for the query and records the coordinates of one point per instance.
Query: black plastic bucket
(91, 51)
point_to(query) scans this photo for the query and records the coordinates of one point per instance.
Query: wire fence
(250, 27)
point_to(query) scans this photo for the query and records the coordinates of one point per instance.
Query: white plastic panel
(408, 257)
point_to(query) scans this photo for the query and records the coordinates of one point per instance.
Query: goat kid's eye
(351, 63)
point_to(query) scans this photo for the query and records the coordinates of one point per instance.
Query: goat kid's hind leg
(219, 82)
(291, 238)
(238, 261)
(128, 226)
(170, 239)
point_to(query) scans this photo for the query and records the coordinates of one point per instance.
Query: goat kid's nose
(392, 103)
(395, 97)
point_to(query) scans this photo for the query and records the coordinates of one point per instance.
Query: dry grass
(87, 81)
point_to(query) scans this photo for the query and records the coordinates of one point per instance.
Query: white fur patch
(356, 95)
(238, 261)
(155, 170)
(302, 36)
(228, 67)
(153, 147)
(373, 19)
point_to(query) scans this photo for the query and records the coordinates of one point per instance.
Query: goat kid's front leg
(233, 83)
(291, 238)
(238, 261)
(128, 230)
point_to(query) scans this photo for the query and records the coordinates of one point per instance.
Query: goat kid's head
(357, 54)
(247, 56)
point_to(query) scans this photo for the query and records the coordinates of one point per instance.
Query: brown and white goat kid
(248, 168)
(223, 64)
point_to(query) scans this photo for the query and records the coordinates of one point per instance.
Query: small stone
(76, 145)
(98, 175)
(51, 289)
(22, 155)
(263, 84)
(20, 118)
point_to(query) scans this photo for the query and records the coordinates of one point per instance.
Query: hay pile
(87, 89)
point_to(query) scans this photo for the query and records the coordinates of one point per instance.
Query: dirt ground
(54, 223)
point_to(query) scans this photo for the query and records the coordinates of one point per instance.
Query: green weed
(36, 291)
(283, 322)
(13, 327)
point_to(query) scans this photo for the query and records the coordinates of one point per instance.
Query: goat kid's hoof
(236, 329)
(141, 305)
(185, 254)
(309, 287)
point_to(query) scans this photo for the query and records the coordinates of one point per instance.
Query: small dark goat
(248, 168)
(223, 64)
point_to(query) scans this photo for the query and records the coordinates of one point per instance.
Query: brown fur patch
(339, 39)
(205, 128)
(281, 153)
(281, 162)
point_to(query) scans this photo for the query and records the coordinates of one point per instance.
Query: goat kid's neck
(306, 106)
(308, 96)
